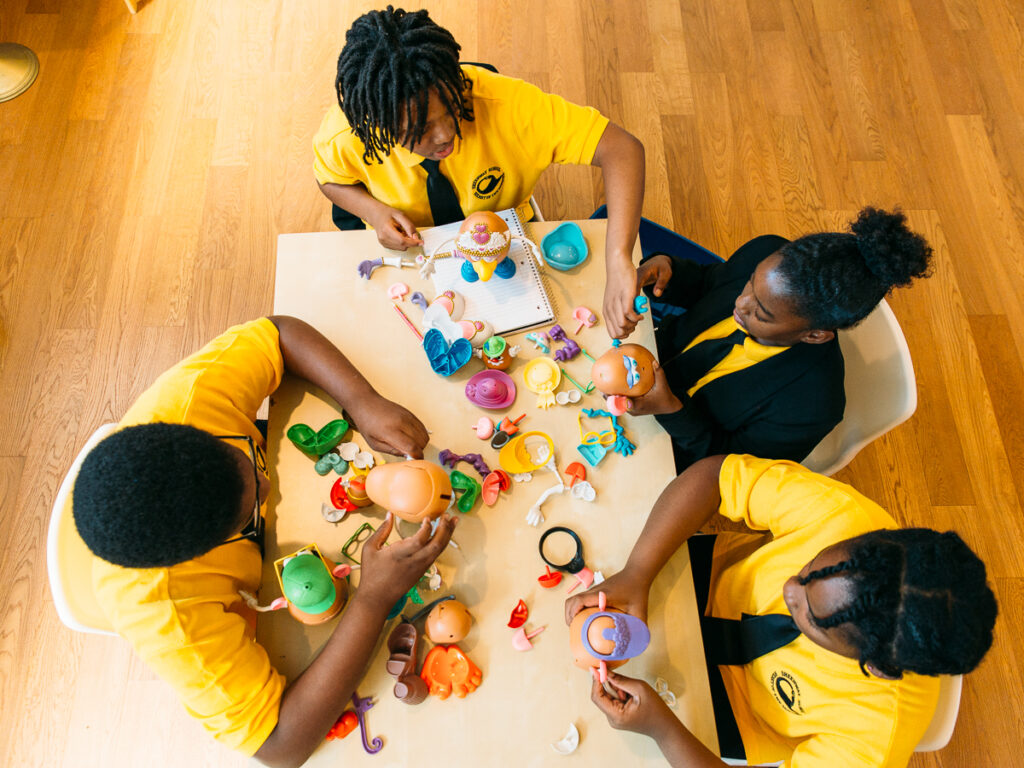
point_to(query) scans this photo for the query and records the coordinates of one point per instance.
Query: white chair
(940, 729)
(69, 561)
(881, 391)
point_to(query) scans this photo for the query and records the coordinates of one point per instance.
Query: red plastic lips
(339, 498)
(519, 614)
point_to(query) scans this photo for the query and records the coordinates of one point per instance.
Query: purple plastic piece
(361, 705)
(419, 300)
(366, 267)
(568, 352)
(557, 333)
(630, 635)
(450, 459)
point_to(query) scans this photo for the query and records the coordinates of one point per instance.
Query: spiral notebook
(510, 305)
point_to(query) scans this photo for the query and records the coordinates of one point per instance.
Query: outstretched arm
(394, 229)
(386, 425)
(620, 155)
(317, 697)
(684, 506)
(636, 707)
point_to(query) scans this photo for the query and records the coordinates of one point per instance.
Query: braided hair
(835, 279)
(920, 602)
(391, 63)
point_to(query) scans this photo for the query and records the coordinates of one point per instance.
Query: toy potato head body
(483, 241)
(414, 490)
(623, 372)
(604, 638)
(314, 594)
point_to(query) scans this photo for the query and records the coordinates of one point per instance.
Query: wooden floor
(146, 174)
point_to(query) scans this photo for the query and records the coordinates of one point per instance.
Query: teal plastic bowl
(564, 246)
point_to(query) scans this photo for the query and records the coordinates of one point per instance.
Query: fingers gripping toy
(414, 490)
(623, 372)
(483, 241)
(604, 638)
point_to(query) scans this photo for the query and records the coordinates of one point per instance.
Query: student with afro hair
(754, 364)
(863, 616)
(170, 505)
(409, 114)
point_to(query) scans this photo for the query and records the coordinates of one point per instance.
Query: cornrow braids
(391, 62)
(920, 603)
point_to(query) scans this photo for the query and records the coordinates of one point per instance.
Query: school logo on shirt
(786, 692)
(489, 182)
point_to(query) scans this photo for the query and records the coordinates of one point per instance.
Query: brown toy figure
(402, 642)
(496, 353)
(623, 372)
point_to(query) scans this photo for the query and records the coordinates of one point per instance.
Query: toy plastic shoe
(402, 644)
(447, 670)
(316, 444)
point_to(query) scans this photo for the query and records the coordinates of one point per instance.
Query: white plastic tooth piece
(569, 742)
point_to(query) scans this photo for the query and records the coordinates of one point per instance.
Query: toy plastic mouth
(564, 247)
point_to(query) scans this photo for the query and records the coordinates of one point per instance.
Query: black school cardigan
(779, 408)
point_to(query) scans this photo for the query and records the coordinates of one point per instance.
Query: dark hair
(835, 279)
(157, 494)
(920, 602)
(390, 61)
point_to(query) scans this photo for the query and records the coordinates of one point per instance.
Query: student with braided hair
(418, 139)
(754, 364)
(823, 638)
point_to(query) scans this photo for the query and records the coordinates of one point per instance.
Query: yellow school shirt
(740, 356)
(517, 132)
(801, 703)
(188, 622)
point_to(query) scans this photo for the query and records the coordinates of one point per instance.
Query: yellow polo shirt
(188, 622)
(517, 132)
(740, 356)
(801, 703)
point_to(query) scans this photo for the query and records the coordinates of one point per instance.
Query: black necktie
(444, 205)
(732, 641)
(696, 362)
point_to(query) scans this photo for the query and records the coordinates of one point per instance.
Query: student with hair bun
(754, 365)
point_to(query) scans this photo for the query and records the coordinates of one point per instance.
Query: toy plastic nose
(484, 268)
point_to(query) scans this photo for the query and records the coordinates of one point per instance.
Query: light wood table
(527, 700)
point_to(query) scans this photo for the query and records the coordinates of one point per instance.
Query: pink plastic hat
(491, 389)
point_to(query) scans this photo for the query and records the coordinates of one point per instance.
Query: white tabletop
(527, 699)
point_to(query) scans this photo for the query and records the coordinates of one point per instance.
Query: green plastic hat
(308, 584)
(494, 346)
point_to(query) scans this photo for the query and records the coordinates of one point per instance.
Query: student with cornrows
(754, 364)
(418, 139)
(823, 634)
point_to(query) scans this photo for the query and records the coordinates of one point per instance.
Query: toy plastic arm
(427, 268)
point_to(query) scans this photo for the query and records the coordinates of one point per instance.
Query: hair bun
(892, 252)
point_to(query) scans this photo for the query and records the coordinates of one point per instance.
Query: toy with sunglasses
(623, 372)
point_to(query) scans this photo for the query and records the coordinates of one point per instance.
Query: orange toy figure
(414, 490)
(447, 670)
(483, 241)
(448, 622)
(622, 372)
(308, 582)
(343, 726)
(604, 638)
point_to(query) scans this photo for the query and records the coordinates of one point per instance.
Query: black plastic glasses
(255, 529)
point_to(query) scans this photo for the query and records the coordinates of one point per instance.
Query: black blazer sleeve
(785, 428)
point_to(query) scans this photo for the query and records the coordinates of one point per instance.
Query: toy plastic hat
(564, 246)
(307, 583)
(491, 389)
(629, 634)
(515, 457)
